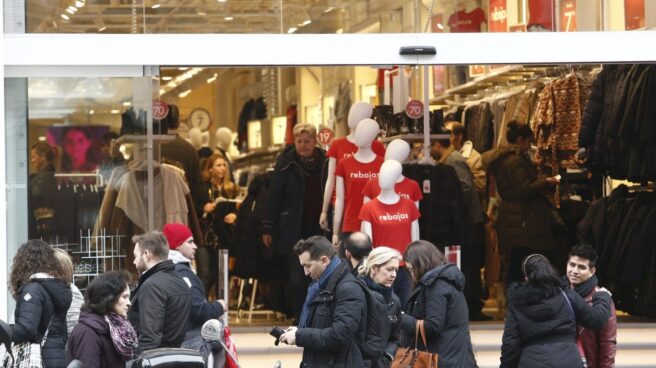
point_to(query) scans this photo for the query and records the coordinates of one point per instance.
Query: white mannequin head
(365, 133)
(196, 138)
(290, 94)
(397, 150)
(390, 172)
(359, 110)
(223, 137)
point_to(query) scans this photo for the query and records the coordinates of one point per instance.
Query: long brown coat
(524, 217)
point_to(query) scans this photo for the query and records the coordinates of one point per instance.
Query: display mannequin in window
(342, 148)
(292, 114)
(43, 190)
(352, 174)
(398, 150)
(391, 220)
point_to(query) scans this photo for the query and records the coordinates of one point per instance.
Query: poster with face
(79, 146)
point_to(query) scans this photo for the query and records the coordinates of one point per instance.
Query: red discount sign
(414, 109)
(326, 136)
(160, 110)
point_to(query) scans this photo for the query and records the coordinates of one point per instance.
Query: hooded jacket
(42, 304)
(540, 328)
(439, 301)
(91, 343)
(524, 214)
(161, 304)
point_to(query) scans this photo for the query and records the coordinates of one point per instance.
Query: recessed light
(305, 23)
(167, 78)
(183, 68)
(127, 103)
(185, 93)
(91, 112)
(156, 6)
(222, 1)
(228, 18)
(80, 3)
(42, 139)
(339, 30)
(65, 17)
(329, 9)
(292, 30)
(201, 13)
(115, 111)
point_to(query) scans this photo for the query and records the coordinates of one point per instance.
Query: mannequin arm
(414, 231)
(417, 204)
(365, 199)
(339, 208)
(365, 227)
(328, 193)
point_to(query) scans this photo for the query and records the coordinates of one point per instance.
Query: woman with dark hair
(78, 155)
(540, 329)
(439, 301)
(103, 336)
(43, 297)
(42, 191)
(524, 222)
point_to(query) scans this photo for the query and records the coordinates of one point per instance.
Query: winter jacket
(454, 159)
(286, 195)
(540, 330)
(599, 347)
(42, 304)
(524, 214)
(438, 299)
(336, 325)
(91, 343)
(161, 304)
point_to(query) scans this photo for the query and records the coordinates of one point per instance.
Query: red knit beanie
(176, 234)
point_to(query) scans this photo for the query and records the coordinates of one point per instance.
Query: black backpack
(378, 327)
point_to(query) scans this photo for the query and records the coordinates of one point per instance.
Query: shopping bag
(23, 355)
(231, 349)
(412, 357)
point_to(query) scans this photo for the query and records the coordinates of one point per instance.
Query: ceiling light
(184, 94)
(162, 91)
(306, 22)
(329, 9)
(80, 3)
(91, 112)
(115, 111)
(341, 30)
(64, 17)
(292, 30)
(127, 103)
(201, 13)
(228, 18)
(183, 68)
(156, 6)
(71, 10)
(167, 78)
(440, 26)
(42, 139)
(210, 80)
(222, 1)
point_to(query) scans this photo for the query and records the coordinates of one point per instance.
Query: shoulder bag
(26, 354)
(412, 357)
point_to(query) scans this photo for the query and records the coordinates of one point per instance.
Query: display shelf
(418, 137)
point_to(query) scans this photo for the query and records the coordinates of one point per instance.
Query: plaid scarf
(124, 337)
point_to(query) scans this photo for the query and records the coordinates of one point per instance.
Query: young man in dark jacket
(599, 347)
(161, 300)
(182, 250)
(332, 323)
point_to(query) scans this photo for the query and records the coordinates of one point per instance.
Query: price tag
(160, 110)
(414, 109)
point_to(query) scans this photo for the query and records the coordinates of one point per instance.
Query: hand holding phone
(276, 332)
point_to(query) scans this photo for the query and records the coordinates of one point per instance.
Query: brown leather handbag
(412, 357)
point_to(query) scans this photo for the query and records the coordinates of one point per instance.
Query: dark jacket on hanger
(91, 343)
(161, 303)
(42, 197)
(524, 214)
(286, 201)
(438, 299)
(454, 159)
(41, 305)
(336, 325)
(540, 328)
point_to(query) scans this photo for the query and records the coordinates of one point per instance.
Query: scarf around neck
(315, 288)
(124, 337)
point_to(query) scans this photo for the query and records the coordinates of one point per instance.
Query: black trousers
(473, 259)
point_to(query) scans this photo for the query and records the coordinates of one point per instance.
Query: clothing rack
(96, 174)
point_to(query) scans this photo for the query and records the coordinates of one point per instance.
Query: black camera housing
(276, 332)
(418, 50)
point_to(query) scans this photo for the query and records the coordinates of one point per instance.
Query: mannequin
(342, 148)
(398, 150)
(223, 137)
(195, 138)
(392, 221)
(292, 114)
(465, 22)
(352, 174)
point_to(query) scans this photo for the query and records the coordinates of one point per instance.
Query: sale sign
(498, 16)
(414, 109)
(160, 110)
(326, 136)
(568, 15)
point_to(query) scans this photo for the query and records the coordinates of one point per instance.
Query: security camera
(417, 50)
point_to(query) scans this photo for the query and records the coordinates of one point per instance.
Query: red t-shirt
(406, 188)
(540, 12)
(463, 22)
(342, 148)
(355, 175)
(391, 224)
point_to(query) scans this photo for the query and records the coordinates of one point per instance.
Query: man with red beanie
(182, 250)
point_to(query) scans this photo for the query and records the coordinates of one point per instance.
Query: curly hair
(33, 257)
(103, 292)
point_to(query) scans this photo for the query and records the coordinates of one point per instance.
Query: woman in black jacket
(439, 301)
(103, 336)
(378, 271)
(42, 299)
(540, 329)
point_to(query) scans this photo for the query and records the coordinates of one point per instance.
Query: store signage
(517, 28)
(326, 136)
(160, 110)
(498, 16)
(414, 109)
(476, 70)
(634, 14)
(568, 15)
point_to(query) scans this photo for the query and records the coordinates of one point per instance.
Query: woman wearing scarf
(103, 336)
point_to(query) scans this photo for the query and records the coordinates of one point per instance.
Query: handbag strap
(45, 335)
(579, 346)
(419, 330)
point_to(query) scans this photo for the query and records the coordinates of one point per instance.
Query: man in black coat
(332, 323)
(161, 301)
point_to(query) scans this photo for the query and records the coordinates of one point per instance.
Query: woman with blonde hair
(378, 271)
(219, 217)
(73, 313)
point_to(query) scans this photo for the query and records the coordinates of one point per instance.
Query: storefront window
(365, 16)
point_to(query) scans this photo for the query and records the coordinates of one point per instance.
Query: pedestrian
(103, 336)
(540, 328)
(331, 326)
(182, 250)
(161, 301)
(378, 271)
(73, 313)
(43, 296)
(357, 248)
(439, 301)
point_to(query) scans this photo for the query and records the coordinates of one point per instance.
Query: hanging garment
(292, 119)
